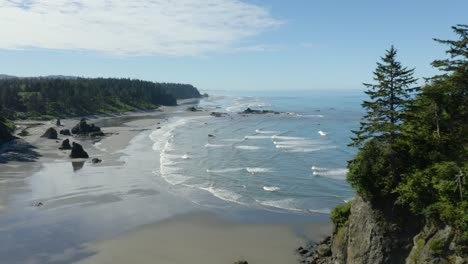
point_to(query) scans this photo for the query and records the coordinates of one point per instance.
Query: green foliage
(46, 98)
(369, 170)
(389, 98)
(437, 246)
(340, 214)
(421, 160)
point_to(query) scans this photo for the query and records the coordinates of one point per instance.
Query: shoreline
(163, 213)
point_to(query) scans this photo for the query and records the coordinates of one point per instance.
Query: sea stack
(78, 152)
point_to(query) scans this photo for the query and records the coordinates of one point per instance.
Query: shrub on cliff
(340, 214)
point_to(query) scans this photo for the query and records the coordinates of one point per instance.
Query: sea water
(294, 161)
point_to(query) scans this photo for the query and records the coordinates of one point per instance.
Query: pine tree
(458, 51)
(389, 99)
(374, 172)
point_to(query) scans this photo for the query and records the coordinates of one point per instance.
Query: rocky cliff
(377, 236)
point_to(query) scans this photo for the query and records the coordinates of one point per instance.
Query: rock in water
(65, 144)
(96, 161)
(65, 132)
(50, 133)
(78, 152)
(84, 128)
(58, 123)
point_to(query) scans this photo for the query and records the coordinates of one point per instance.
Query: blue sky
(224, 44)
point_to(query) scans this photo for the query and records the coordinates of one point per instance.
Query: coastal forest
(413, 147)
(46, 98)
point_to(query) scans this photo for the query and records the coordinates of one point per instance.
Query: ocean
(292, 162)
(287, 169)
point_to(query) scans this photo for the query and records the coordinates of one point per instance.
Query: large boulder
(65, 145)
(50, 133)
(65, 132)
(78, 152)
(84, 128)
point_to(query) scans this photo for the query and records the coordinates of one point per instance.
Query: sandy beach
(115, 212)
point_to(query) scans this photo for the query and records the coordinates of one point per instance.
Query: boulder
(253, 111)
(97, 134)
(78, 152)
(50, 133)
(217, 114)
(58, 123)
(65, 145)
(65, 132)
(96, 160)
(323, 250)
(84, 128)
(192, 109)
(209, 135)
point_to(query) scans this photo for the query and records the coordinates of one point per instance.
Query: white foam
(258, 170)
(317, 116)
(173, 179)
(285, 204)
(259, 131)
(310, 149)
(321, 133)
(224, 170)
(331, 173)
(233, 140)
(257, 137)
(98, 146)
(320, 211)
(271, 188)
(295, 142)
(223, 194)
(248, 147)
(314, 168)
(215, 145)
(185, 156)
(287, 138)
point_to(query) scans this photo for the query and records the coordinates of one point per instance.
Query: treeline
(42, 98)
(413, 142)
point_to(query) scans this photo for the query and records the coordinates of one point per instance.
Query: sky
(224, 44)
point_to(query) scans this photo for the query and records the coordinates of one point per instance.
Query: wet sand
(202, 238)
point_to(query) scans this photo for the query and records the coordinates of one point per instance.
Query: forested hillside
(410, 171)
(40, 98)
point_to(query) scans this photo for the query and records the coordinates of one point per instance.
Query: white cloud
(132, 27)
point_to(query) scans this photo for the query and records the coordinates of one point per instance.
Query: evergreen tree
(374, 171)
(389, 99)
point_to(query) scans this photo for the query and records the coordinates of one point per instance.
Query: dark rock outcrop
(375, 236)
(218, 114)
(50, 133)
(253, 111)
(193, 109)
(65, 132)
(78, 152)
(83, 128)
(65, 145)
(97, 134)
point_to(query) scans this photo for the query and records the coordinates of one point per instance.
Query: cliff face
(371, 236)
